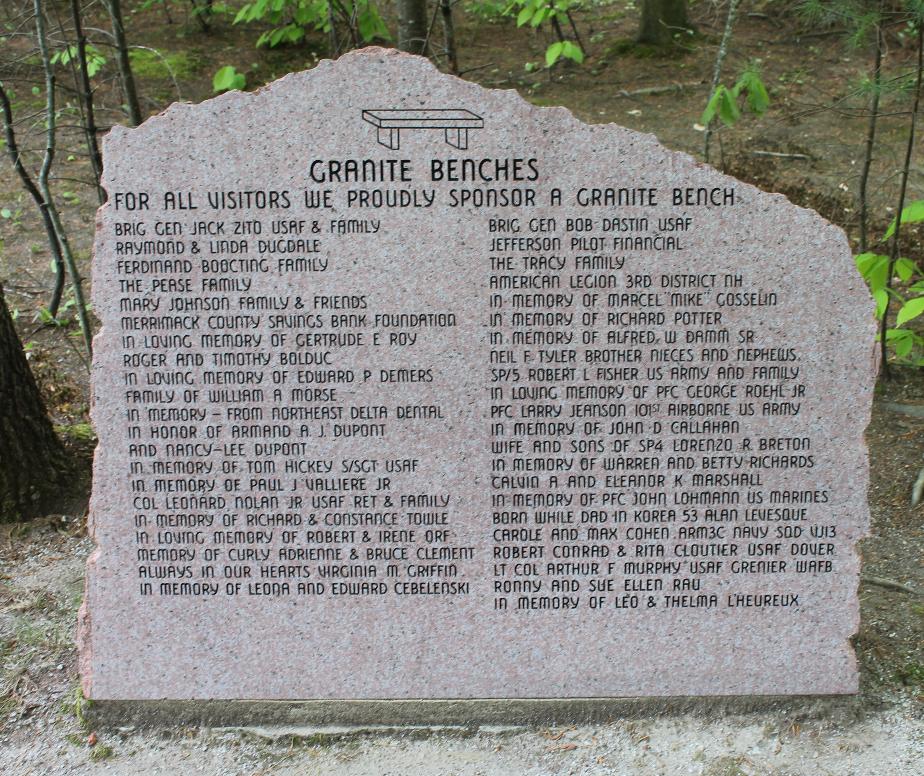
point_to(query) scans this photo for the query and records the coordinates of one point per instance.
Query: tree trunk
(449, 35)
(33, 465)
(902, 193)
(661, 20)
(125, 66)
(51, 143)
(85, 94)
(413, 22)
(717, 70)
(871, 133)
(53, 244)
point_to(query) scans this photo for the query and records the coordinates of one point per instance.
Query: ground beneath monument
(884, 744)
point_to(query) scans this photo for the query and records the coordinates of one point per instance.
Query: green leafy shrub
(490, 11)
(563, 49)
(95, 59)
(724, 102)
(536, 12)
(906, 344)
(291, 19)
(228, 79)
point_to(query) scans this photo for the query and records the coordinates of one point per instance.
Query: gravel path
(886, 743)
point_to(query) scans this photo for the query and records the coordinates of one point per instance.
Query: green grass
(101, 752)
(725, 766)
(81, 431)
(76, 705)
(156, 63)
(9, 676)
(29, 633)
(911, 674)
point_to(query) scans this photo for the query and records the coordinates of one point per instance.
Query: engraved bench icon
(455, 122)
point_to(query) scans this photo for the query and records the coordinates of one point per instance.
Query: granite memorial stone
(406, 388)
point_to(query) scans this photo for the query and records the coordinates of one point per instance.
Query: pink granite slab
(151, 627)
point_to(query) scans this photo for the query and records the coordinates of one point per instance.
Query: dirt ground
(817, 94)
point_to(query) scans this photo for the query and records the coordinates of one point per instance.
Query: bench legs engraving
(390, 138)
(457, 138)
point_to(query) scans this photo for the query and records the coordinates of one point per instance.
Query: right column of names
(645, 445)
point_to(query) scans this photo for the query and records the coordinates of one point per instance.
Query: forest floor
(815, 121)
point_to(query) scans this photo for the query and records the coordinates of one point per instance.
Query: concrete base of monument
(368, 715)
